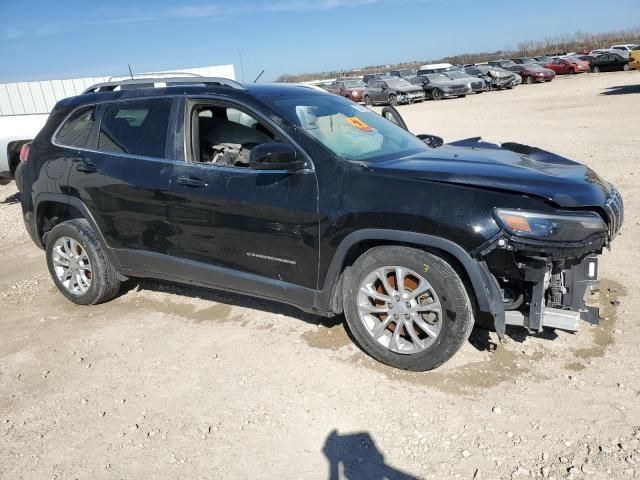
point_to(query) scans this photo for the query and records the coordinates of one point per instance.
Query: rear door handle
(192, 182)
(87, 168)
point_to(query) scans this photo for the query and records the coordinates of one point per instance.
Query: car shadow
(622, 90)
(481, 339)
(11, 199)
(229, 298)
(355, 456)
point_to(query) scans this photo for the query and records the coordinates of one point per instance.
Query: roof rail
(155, 82)
(119, 78)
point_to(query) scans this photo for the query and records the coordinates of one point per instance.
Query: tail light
(24, 152)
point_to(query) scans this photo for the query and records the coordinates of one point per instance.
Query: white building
(27, 98)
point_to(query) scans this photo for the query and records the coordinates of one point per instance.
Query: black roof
(248, 90)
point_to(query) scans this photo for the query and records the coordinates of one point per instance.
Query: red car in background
(569, 65)
(351, 88)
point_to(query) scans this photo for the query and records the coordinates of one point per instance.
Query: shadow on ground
(622, 90)
(11, 199)
(355, 456)
(228, 298)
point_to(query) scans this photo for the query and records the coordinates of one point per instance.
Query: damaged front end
(542, 265)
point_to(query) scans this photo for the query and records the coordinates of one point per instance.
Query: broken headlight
(558, 228)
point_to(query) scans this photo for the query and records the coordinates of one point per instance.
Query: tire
(436, 94)
(393, 100)
(528, 80)
(17, 175)
(461, 96)
(572, 71)
(367, 100)
(103, 282)
(450, 327)
(596, 69)
(625, 67)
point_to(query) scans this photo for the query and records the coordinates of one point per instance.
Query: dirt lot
(175, 382)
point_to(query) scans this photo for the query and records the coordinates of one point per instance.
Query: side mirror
(275, 156)
(432, 140)
(383, 87)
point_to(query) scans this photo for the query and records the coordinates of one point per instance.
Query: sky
(41, 40)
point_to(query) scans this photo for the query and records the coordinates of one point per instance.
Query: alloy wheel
(400, 309)
(72, 266)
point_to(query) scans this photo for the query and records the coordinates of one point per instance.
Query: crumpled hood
(512, 167)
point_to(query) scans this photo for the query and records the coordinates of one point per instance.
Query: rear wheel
(367, 100)
(528, 80)
(625, 67)
(436, 94)
(17, 175)
(393, 100)
(407, 308)
(596, 69)
(78, 264)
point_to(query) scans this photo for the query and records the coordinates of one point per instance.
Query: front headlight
(556, 228)
(355, 94)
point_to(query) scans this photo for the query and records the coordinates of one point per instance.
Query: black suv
(293, 194)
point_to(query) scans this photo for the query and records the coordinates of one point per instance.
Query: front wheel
(406, 308)
(528, 80)
(367, 100)
(596, 69)
(78, 264)
(436, 94)
(393, 100)
(625, 67)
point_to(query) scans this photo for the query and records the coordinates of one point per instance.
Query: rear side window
(76, 130)
(136, 128)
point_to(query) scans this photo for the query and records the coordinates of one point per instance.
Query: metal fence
(25, 98)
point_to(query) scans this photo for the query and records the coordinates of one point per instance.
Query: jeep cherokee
(289, 193)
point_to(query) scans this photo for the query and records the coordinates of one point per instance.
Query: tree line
(573, 42)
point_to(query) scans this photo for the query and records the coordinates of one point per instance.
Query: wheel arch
(475, 274)
(51, 209)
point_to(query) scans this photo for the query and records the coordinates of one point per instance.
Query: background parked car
(569, 65)
(523, 60)
(502, 63)
(392, 91)
(438, 86)
(634, 58)
(626, 47)
(434, 68)
(586, 58)
(544, 59)
(495, 77)
(406, 73)
(351, 88)
(371, 76)
(609, 62)
(475, 84)
(532, 73)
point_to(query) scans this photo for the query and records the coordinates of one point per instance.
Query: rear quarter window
(136, 127)
(77, 128)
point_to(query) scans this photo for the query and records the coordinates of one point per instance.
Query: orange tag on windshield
(359, 124)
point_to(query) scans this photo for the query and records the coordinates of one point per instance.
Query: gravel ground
(176, 382)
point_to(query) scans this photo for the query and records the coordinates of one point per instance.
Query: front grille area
(615, 211)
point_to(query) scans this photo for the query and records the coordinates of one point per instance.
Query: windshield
(457, 74)
(438, 77)
(398, 82)
(354, 84)
(349, 130)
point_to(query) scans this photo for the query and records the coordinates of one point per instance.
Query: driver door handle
(192, 182)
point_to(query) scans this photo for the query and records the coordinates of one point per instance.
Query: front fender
(485, 288)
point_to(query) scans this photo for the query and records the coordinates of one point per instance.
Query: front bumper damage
(550, 281)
